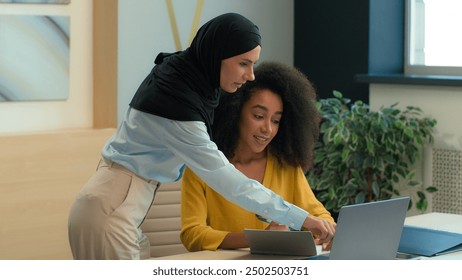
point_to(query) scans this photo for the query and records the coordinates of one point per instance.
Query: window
(433, 40)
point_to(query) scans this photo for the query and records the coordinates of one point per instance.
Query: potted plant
(363, 154)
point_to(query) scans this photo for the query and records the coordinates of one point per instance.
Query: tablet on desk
(280, 242)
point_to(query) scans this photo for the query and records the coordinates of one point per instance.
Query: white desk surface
(240, 254)
(440, 221)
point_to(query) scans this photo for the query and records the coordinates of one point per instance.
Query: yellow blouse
(206, 217)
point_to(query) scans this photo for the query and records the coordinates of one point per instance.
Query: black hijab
(184, 86)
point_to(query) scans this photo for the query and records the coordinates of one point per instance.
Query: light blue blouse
(157, 148)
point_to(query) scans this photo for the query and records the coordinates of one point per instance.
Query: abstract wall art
(34, 57)
(36, 1)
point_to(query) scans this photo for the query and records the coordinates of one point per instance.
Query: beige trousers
(105, 219)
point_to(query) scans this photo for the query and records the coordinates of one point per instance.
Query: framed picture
(37, 1)
(34, 57)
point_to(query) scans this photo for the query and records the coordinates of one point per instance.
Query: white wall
(77, 111)
(144, 31)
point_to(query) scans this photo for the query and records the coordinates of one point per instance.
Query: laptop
(280, 242)
(368, 231)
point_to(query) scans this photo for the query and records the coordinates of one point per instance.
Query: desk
(441, 221)
(240, 254)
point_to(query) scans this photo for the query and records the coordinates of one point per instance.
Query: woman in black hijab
(166, 126)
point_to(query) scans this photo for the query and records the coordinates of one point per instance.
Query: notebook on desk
(278, 242)
(368, 231)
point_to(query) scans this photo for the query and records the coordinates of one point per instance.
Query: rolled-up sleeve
(190, 141)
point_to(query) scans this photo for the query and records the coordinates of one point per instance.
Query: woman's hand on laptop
(325, 246)
(323, 230)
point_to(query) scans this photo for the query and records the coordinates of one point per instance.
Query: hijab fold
(184, 85)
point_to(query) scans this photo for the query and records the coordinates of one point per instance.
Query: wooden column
(105, 29)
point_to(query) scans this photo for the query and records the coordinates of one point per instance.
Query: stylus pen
(263, 219)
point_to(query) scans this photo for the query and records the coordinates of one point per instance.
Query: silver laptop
(368, 231)
(280, 242)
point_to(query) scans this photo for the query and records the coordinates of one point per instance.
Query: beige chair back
(162, 224)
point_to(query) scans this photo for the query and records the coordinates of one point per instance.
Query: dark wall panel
(331, 45)
(335, 40)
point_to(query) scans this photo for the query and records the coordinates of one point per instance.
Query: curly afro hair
(299, 126)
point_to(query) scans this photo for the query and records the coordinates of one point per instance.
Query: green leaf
(338, 94)
(400, 124)
(355, 173)
(431, 189)
(413, 183)
(324, 197)
(360, 198)
(338, 139)
(409, 132)
(330, 204)
(345, 153)
(345, 135)
(319, 157)
(421, 195)
(414, 124)
(318, 105)
(375, 188)
(331, 192)
(370, 146)
(411, 174)
(343, 201)
(410, 205)
(422, 205)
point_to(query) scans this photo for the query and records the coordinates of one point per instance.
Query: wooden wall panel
(40, 176)
(105, 29)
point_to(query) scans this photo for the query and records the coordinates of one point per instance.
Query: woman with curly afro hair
(267, 129)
